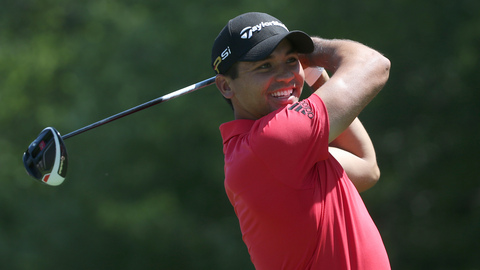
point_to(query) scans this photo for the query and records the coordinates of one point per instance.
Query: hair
(232, 73)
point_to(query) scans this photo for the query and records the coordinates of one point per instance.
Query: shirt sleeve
(291, 140)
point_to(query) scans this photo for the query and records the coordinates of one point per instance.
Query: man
(296, 198)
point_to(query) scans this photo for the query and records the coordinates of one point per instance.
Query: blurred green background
(146, 191)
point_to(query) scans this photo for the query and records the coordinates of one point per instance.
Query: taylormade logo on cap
(248, 31)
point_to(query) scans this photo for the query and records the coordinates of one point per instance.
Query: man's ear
(223, 84)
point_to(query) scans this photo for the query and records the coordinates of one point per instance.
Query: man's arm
(358, 74)
(354, 150)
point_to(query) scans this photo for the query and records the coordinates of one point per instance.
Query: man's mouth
(282, 93)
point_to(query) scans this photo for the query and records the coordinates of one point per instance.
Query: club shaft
(143, 106)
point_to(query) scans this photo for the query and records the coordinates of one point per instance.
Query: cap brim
(300, 41)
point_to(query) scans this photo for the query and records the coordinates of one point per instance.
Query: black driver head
(46, 158)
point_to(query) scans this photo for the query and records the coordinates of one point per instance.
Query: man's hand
(315, 77)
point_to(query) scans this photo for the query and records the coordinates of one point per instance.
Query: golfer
(294, 168)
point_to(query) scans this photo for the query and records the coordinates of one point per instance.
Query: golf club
(46, 157)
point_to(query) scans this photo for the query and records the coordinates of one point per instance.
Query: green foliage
(147, 191)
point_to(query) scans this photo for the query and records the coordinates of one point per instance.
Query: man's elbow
(370, 179)
(383, 69)
(375, 174)
(380, 71)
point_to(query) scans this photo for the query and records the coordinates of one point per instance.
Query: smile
(282, 93)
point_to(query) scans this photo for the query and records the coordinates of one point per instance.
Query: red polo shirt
(296, 207)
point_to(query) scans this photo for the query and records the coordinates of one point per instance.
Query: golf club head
(46, 158)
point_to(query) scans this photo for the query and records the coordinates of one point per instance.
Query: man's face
(264, 86)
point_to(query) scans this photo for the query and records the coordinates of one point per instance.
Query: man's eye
(265, 66)
(292, 60)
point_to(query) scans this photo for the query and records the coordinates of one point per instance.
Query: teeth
(285, 93)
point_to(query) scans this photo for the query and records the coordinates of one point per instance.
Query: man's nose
(285, 74)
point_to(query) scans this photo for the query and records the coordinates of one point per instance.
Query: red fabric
(296, 207)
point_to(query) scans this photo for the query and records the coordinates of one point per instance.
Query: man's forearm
(329, 53)
(355, 152)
